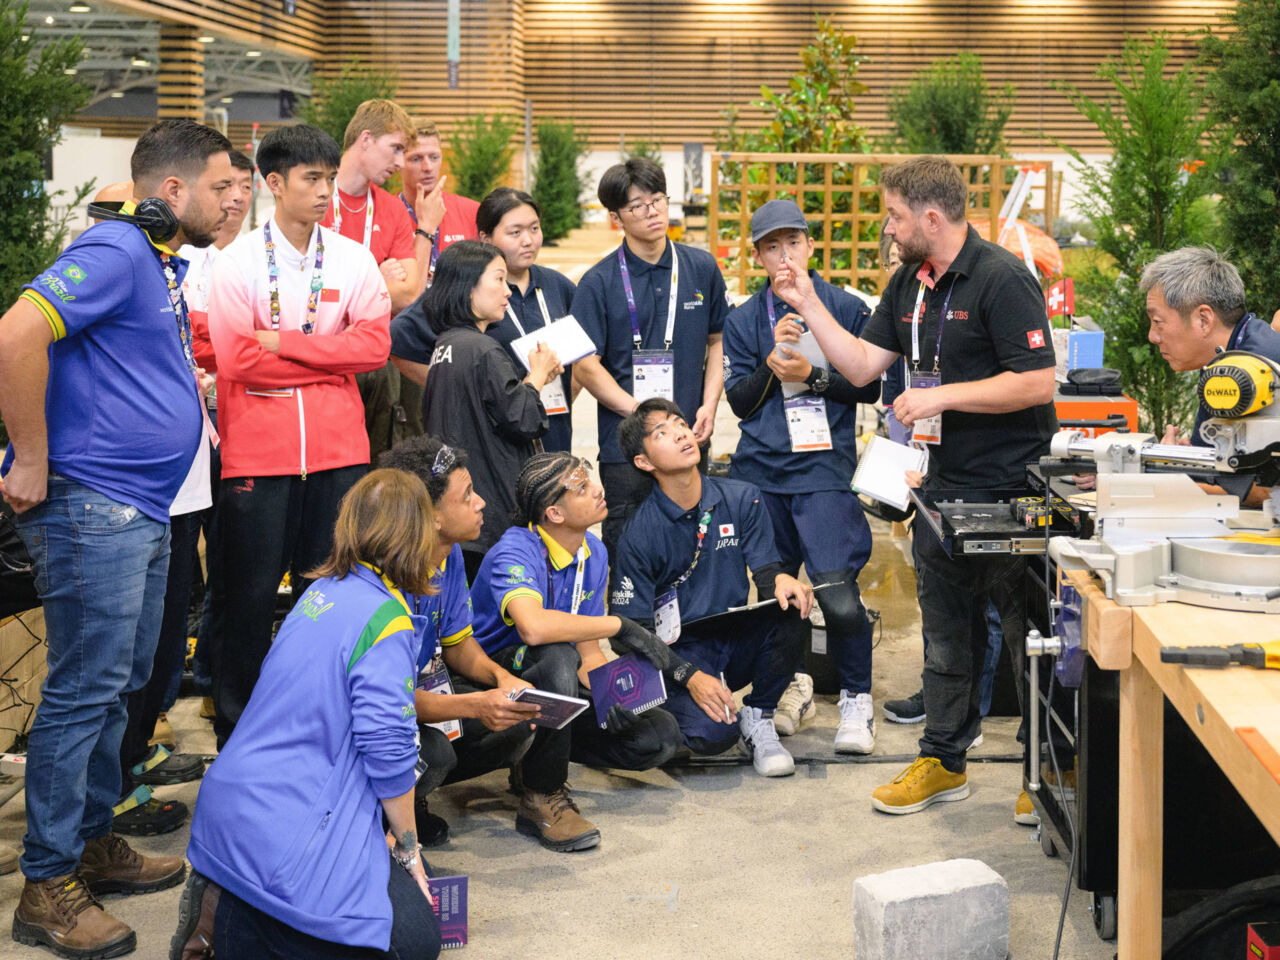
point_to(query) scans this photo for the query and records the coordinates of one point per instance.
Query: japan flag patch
(726, 529)
(1035, 338)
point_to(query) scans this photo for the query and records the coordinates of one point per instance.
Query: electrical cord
(9, 682)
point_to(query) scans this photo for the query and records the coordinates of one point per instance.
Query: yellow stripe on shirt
(48, 311)
(511, 595)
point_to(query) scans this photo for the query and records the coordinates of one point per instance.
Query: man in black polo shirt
(650, 340)
(970, 320)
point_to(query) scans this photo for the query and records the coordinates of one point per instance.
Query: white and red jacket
(299, 411)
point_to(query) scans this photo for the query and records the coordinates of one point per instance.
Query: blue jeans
(100, 570)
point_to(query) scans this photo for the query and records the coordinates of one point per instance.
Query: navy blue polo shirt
(659, 544)
(600, 305)
(764, 455)
(122, 405)
(557, 290)
(448, 611)
(526, 562)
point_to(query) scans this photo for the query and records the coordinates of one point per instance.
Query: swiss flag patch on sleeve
(726, 529)
(1035, 338)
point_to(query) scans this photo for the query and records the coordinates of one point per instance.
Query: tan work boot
(553, 818)
(8, 858)
(163, 734)
(61, 913)
(109, 865)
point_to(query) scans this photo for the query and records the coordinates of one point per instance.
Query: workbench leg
(1141, 867)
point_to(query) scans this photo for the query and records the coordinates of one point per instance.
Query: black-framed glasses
(641, 207)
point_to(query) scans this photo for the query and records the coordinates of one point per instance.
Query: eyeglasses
(445, 459)
(579, 478)
(641, 207)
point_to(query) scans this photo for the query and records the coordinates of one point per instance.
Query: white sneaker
(857, 730)
(974, 744)
(760, 743)
(795, 706)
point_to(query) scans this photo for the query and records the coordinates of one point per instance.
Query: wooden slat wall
(250, 21)
(663, 71)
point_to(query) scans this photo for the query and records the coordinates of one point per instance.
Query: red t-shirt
(392, 235)
(459, 221)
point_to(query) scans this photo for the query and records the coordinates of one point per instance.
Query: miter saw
(1159, 535)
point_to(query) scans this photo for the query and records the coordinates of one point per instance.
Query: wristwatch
(818, 380)
(422, 233)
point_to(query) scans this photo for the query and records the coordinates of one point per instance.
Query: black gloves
(633, 638)
(619, 719)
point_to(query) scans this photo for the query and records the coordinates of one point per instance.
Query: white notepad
(808, 348)
(881, 471)
(565, 337)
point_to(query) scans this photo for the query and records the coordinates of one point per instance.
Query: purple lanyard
(636, 338)
(435, 243)
(942, 317)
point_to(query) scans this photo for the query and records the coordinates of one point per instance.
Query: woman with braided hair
(538, 604)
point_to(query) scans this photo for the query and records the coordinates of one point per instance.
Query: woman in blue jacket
(289, 820)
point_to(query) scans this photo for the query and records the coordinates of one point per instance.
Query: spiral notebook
(630, 681)
(882, 468)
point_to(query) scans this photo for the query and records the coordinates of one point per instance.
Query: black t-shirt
(995, 322)
(475, 399)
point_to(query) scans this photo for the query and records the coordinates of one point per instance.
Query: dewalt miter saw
(1158, 534)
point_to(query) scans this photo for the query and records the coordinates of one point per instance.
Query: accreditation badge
(666, 617)
(553, 398)
(807, 423)
(653, 374)
(928, 430)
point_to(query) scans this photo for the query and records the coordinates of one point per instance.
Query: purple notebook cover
(451, 909)
(630, 681)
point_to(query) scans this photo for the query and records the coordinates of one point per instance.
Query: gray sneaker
(760, 743)
(907, 710)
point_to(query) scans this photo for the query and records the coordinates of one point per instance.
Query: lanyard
(703, 525)
(631, 297)
(542, 305)
(179, 310)
(368, 215)
(409, 206)
(577, 577)
(273, 280)
(915, 327)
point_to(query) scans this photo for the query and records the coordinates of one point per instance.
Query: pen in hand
(727, 717)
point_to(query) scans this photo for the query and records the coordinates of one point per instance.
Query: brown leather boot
(109, 865)
(554, 819)
(60, 913)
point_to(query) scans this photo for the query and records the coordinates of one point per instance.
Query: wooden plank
(1108, 626)
(1141, 814)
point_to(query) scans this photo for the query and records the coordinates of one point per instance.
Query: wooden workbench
(1234, 711)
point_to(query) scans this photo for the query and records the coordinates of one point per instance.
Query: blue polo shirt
(526, 562)
(557, 290)
(659, 543)
(600, 305)
(448, 611)
(764, 454)
(122, 405)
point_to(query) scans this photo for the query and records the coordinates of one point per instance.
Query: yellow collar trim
(129, 207)
(395, 591)
(560, 557)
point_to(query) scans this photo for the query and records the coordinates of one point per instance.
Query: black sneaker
(161, 768)
(141, 815)
(907, 710)
(433, 831)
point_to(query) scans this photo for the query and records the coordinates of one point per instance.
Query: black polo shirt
(995, 322)
(557, 290)
(600, 305)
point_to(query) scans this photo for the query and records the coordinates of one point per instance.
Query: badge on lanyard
(807, 423)
(554, 400)
(929, 429)
(653, 372)
(666, 617)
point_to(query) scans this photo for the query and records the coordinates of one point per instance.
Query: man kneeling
(539, 611)
(671, 573)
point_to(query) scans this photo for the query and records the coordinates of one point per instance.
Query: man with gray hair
(1195, 301)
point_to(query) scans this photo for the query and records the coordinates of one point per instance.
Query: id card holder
(653, 374)
(928, 430)
(553, 398)
(434, 678)
(666, 617)
(807, 423)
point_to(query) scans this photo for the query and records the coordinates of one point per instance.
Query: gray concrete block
(951, 910)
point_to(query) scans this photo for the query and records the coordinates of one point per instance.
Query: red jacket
(297, 411)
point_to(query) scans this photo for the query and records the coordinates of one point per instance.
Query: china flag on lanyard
(1060, 299)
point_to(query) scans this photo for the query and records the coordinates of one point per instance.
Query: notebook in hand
(630, 681)
(565, 337)
(557, 709)
(882, 468)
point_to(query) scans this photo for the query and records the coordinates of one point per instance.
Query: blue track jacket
(288, 817)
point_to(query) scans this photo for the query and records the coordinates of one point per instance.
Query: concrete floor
(709, 859)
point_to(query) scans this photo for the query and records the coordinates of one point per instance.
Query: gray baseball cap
(777, 215)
